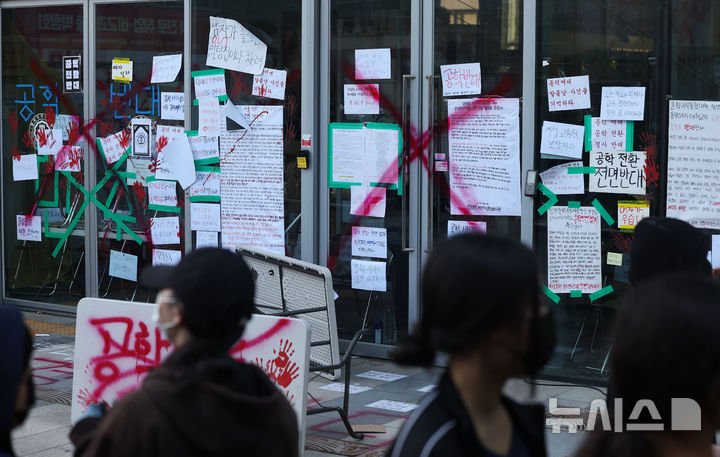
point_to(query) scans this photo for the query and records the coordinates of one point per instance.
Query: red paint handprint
(15, 153)
(42, 137)
(161, 143)
(50, 116)
(652, 168)
(284, 353)
(13, 120)
(281, 369)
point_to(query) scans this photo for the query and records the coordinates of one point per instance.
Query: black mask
(542, 344)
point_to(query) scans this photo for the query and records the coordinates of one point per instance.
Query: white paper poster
(348, 155)
(66, 122)
(362, 99)
(167, 134)
(693, 176)
(162, 193)
(369, 242)
(204, 147)
(560, 182)
(484, 138)
(165, 257)
(608, 135)
(570, 93)
(574, 258)
(372, 63)
(211, 119)
(172, 106)
(252, 182)
(623, 103)
(69, 158)
(180, 160)
(618, 172)
(123, 265)
(210, 84)
(206, 239)
(460, 227)
(122, 70)
(49, 141)
(270, 83)
(25, 167)
(113, 147)
(233, 47)
(367, 201)
(565, 140)
(381, 156)
(165, 230)
(630, 213)
(461, 79)
(142, 169)
(205, 217)
(165, 68)
(29, 228)
(206, 184)
(368, 275)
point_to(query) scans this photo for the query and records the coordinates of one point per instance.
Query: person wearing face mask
(17, 393)
(199, 401)
(481, 306)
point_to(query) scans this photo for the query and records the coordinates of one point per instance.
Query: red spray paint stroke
(13, 121)
(61, 367)
(15, 153)
(236, 351)
(652, 165)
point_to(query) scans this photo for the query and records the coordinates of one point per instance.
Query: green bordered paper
(206, 198)
(168, 208)
(629, 134)
(215, 71)
(207, 160)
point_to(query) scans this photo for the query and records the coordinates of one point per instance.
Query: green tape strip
(581, 170)
(550, 195)
(191, 132)
(205, 198)
(630, 137)
(208, 161)
(222, 98)
(601, 293)
(603, 212)
(208, 169)
(551, 295)
(576, 293)
(214, 71)
(171, 209)
(46, 227)
(573, 204)
(588, 133)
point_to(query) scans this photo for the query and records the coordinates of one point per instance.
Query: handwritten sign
(368, 275)
(209, 83)
(618, 172)
(369, 242)
(630, 213)
(165, 257)
(165, 230)
(367, 201)
(162, 193)
(565, 140)
(165, 68)
(142, 170)
(623, 103)
(211, 119)
(608, 135)
(570, 93)
(693, 171)
(122, 70)
(172, 106)
(123, 265)
(362, 99)
(574, 259)
(180, 160)
(207, 184)
(270, 83)
(49, 141)
(461, 79)
(112, 147)
(25, 168)
(204, 147)
(372, 63)
(206, 239)
(205, 217)
(460, 227)
(560, 182)
(29, 228)
(69, 158)
(233, 47)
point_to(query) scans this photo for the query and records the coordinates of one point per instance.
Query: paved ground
(45, 432)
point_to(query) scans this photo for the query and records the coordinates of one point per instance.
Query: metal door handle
(431, 162)
(404, 167)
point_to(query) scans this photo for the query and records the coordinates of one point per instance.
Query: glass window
(43, 199)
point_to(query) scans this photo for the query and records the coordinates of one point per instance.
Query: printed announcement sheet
(693, 176)
(484, 156)
(251, 182)
(574, 261)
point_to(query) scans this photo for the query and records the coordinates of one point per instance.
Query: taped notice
(25, 167)
(270, 83)
(165, 68)
(367, 201)
(123, 265)
(570, 93)
(372, 63)
(623, 103)
(165, 230)
(29, 228)
(362, 99)
(561, 182)
(166, 257)
(461, 79)
(630, 213)
(368, 275)
(122, 70)
(233, 47)
(618, 172)
(369, 242)
(460, 227)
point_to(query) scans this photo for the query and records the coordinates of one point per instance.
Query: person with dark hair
(664, 245)
(666, 345)
(199, 401)
(17, 393)
(481, 306)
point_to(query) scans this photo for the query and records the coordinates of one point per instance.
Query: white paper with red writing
(68, 158)
(29, 228)
(461, 79)
(270, 83)
(233, 47)
(116, 343)
(362, 99)
(114, 146)
(569, 93)
(211, 120)
(574, 259)
(49, 141)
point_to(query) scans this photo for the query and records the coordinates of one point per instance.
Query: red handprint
(652, 169)
(139, 191)
(284, 353)
(50, 116)
(50, 167)
(73, 132)
(124, 139)
(27, 141)
(281, 369)
(15, 153)
(13, 120)
(288, 375)
(161, 143)
(622, 241)
(42, 137)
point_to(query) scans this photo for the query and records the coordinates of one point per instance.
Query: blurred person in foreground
(481, 305)
(199, 401)
(17, 393)
(666, 345)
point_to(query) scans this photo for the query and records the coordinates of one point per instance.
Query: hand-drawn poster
(460, 227)
(165, 68)
(630, 213)
(233, 47)
(608, 135)
(461, 79)
(372, 63)
(574, 258)
(563, 140)
(561, 182)
(570, 93)
(251, 182)
(484, 138)
(693, 176)
(270, 83)
(618, 172)
(369, 242)
(623, 103)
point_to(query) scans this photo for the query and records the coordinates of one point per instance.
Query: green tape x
(549, 194)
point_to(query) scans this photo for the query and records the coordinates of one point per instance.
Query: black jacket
(441, 426)
(196, 403)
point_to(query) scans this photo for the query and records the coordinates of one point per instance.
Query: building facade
(531, 85)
